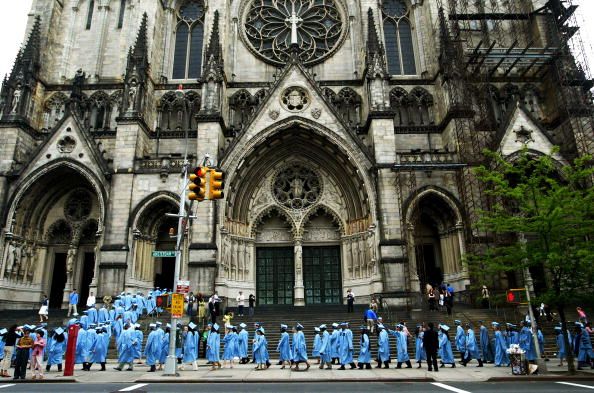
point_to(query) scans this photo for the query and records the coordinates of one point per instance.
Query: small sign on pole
(163, 254)
(183, 286)
(177, 305)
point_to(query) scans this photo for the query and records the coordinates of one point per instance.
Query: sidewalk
(246, 373)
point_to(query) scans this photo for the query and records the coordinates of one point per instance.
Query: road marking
(134, 387)
(576, 385)
(7, 386)
(447, 387)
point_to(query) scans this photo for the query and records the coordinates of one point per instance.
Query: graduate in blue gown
(99, 354)
(526, 342)
(334, 341)
(190, 352)
(364, 360)
(126, 348)
(345, 347)
(401, 347)
(231, 350)
(152, 348)
(81, 351)
(315, 352)
(84, 320)
(383, 345)
(242, 344)
(541, 343)
(139, 335)
(284, 347)
(102, 315)
(300, 348)
(585, 354)
(56, 347)
(420, 354)
(164, 347)
(260, 350)
(561, 353)
(485, 341)
(325, 349)
(445, 352)
(472, 347)
(501, 357)
(213, 347)
(460, 339)
(91, 341)
(92, 314)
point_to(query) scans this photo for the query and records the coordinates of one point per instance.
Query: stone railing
(163, 164)
(428, 158)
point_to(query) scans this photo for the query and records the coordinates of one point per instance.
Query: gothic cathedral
(348, 131)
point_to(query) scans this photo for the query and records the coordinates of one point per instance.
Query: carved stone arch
(348, 105)
(340, 223)
(412, 202)
(330, 95)
(532, 100)
(146, 203)
(242, 106)
(266, 212)
(194, 101)
(60, 232)
(24, 186)
(421, 106)
(54, 109)
(399, 104)
(510, 94)
(88, 231)
(99, 111)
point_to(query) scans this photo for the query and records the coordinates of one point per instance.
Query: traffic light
(215, 190)
(197, 184)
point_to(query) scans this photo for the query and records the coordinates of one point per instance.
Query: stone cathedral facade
(347, 131)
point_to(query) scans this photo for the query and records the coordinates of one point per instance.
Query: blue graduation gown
(419, 350)
(260, 349)
(445, 349)
(346, 348)
(299, 347)
(315, 352)
(102, 315)
(460, 339)
(401, 347)
(81, 347)
(90, 343)
(486, 351)
(364, 352)
(164, 348)
(190, 349)
(325, 350)
(501, 357)
(284, 347)
(231, 349)
(585, 347)
(55, 351)
(152, 348)
(540, 338)
(92, 314)
(84, 322)
(242, 344)
(383, 344)
(472, 348)
(126, 345)
(138, 343)
(527, 344)
(100, 350)
(213, 348)
(334, 341)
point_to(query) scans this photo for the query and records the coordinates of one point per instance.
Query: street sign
(163, 254)
(183, 286)
(177, 305)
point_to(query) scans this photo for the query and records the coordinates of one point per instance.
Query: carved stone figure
(16, 98)
(70, 260)
(132, 96)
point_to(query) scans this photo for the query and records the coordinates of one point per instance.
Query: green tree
(552, 205)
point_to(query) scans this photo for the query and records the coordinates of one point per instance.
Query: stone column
(299, 292)
(462, 249)
(412, 259)
(103, 16)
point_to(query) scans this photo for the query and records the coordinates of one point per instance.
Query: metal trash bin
(518, 363)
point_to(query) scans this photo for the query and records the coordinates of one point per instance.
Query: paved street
(343, 387)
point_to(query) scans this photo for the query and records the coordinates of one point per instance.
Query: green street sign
(162, 254)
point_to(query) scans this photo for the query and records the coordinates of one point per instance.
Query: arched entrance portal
(152, 233)
(52, 239)
(298, 223)
(436, 241)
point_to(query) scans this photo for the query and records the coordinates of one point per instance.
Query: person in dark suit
(431, 345)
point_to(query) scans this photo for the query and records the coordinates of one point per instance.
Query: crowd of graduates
(332, 344)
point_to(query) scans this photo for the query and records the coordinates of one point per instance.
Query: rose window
(78, 206)
(297, 187)
(270, 26)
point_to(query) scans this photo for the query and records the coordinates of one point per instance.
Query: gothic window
(420, 107)
(89, 232)
(115, 102)
(243, 106)
(90, 14)
(296, 187)
(78, 205)
(399, 103)
(531, 100)
(511, 95)
(99, 111)
(189, 35)
(177, 110)
(349, 106)
(270, 24)
(495, 105)
(55, 107)
(60, 232)
(398, 38)
(330, 95)
(122, 13)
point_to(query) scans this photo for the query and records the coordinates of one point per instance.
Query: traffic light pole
(171, 362)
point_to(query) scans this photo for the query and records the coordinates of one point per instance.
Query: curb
(542, 378)
(280, 380)
(43, 381)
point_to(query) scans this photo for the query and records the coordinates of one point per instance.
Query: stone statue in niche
(10, 255)
(132, 96)
(70, 260)
(298, 259)
(16, 98)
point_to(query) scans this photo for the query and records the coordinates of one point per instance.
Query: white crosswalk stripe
(7, 386)
(577, 385)
(133, 387)
(448, 387)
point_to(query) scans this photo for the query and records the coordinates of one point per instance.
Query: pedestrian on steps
(419, 351)
(44, 309)
(364, 360)
(350, 298)
(431, 345)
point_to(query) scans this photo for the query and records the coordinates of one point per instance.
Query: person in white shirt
(91, 300)
(240, 303)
